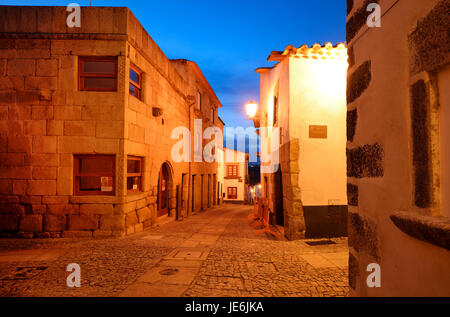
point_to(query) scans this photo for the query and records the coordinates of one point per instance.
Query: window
(213, 115)
(232, 192)
(134, 174)
(97, 73)
(135, 82)
(199, 100)
(232, 171)
(94, 174)
(275, 110)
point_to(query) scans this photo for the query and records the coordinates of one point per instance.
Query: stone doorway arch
(165, 190)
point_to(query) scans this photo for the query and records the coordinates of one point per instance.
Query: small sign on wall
(318, 132)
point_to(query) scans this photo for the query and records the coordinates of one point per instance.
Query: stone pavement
(215, 253)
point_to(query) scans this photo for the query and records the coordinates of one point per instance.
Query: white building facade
(304, 96)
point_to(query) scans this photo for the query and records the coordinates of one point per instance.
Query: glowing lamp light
(259, 186)
(252, 109)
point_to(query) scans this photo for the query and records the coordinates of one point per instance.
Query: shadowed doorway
(163, 190)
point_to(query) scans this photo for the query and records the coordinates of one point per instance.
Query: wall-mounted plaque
(318, 132)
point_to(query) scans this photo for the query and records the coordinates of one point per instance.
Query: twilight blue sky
(229, 39)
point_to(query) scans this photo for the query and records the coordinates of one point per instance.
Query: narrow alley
(212, 254)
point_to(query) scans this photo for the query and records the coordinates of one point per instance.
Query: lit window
(275, 110)
(97, 73)
(232, 192)
(134, 174)
(135, 82)
(94, 174)
(232, 171)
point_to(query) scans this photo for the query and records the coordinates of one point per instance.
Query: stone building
(86, 121)
(235, 176)
(397, 149)
(304, 96)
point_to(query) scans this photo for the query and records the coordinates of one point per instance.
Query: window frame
(77, 175)
(232, 189)
(275, 109)
(139, 85)
(232, 174)
(82, 74)
(140, 159)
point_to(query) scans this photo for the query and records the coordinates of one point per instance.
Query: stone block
(44, 144)
(19, 187)
(81, 128)
(55, 223)
(138, 228)
(55, 127)
(363, 235)
(76, 144)
(141, 203)
(42, 187)
(11, 127)
(3, 67)
(9, 199)
(44, 173)
(31, 200)
(81, 222)
(77, 234)
(10, 83)
(47, 67)
(11, 208)
(3, 112)
(352, 194)
(49, 83)
(15, 172)
(21, 67)
(96, 209)
(125, 208)
(103, 234)
(41, 112)
(131, 219)
(27, 98)
(365, 161)
(359, 81)
(19, 112)
(9, 222)
(38, 209)
(72, 113)
(108, 129)
(19, 144)
(112, 222)
(31, 223)
(41, 160)
(12, 159)
(144, 214)
(130, 230)
(54, 200)
(62, 209)
(64, 184)
(35, 127)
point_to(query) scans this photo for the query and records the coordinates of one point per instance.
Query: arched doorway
(164, 184)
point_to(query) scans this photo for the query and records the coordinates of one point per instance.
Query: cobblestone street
(215, 253)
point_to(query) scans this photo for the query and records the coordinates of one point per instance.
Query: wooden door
(163, 192)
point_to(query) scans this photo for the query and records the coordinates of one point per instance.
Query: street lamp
(252, 109)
